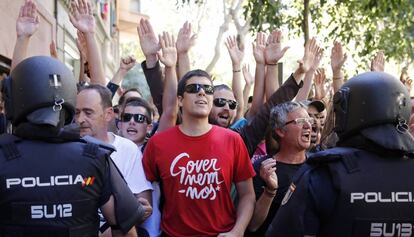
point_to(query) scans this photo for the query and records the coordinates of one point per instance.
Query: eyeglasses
(301, 121)
(220, 102)
(138, 118)
(195, 88)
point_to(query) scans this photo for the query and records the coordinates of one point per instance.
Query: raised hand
(169, 53)
(338, 58)
(28, 21)
(273, 50)
(127, 63)
(147, 39)
(184, 39)
(268, 173)
(248, 77)
(319, 81)
(259, 48)
(235, 53)
(52, 50)
(312, 56)
(81, 45)
(81, 16)
(378, 62)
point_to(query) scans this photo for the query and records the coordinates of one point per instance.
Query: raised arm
(249, 80)
(258, 90)
(169, 101)
(338, 58)
(378, 62)
(236, 56)
(185, 40)
(83, 53)
(273, 53)
(320, 79)
(311, 60)
(82, 19)
(26, 25)
(125, 65)
(152, 70)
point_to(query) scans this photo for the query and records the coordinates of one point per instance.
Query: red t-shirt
(196, 175)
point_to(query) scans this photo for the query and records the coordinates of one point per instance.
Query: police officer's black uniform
(53, 182)
(364, 186)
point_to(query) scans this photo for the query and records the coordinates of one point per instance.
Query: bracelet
(337, 78)
(237, 70)
(270, 192)
(271, 64)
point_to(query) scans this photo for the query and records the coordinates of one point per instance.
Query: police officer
(52, 182)
(364, 186)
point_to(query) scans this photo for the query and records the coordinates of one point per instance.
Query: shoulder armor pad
(346, 155)
(101, 144)
(330, 155)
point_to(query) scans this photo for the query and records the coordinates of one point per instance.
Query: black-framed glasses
(138, 118)
(301, 121)
(195, 88)
(220, 102)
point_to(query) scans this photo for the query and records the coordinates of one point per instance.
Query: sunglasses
(195, 88)
(301, 121)
(138, 118)
(221, 102)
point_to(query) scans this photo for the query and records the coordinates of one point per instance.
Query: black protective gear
(348, 192)
(38, 83)
(61, 190)
(369, 100)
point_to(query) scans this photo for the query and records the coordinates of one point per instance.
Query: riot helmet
(377, 106)
(41, 90)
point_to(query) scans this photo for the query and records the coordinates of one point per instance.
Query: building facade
(55, 25)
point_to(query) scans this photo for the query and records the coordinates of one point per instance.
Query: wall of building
(55, 24)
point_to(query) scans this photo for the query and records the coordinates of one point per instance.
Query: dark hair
(222, 87)
(193, 73)
(104, 93)
(139, 102)
(122, 98)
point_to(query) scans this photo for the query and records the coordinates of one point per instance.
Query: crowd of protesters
(203, 159)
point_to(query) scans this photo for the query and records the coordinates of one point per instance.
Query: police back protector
(50, 189)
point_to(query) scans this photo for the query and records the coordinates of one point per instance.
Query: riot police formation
(52, 181)
(362, 187)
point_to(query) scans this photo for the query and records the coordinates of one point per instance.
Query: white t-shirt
(128, 159)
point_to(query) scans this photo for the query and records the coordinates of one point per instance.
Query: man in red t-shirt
(196, 163)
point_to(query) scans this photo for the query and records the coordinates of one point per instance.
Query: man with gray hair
(291, 127)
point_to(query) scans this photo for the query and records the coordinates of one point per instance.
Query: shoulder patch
(89, 139)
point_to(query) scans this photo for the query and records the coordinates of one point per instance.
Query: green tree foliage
(372, 25)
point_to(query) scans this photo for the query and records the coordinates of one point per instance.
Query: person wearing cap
(316, 109)
(53, 181)
(362, 187)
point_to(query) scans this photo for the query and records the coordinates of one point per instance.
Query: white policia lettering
(51, 211)
(200, 177)
(372, 197)
(391, 229)
(59, 180)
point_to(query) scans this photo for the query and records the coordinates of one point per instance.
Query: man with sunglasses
(291, 128)
(224, 106)
(93, 113)
(196, 164)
